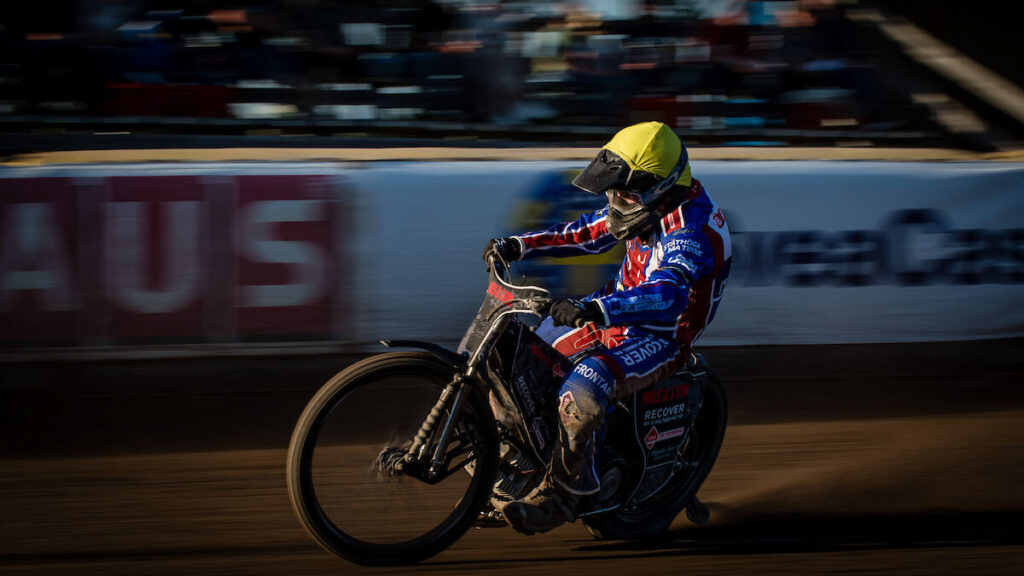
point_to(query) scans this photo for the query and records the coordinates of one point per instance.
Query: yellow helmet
(635, 169)
(646, 159)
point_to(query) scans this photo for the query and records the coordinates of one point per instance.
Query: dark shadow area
(150, 555)
(69, 409)
(829, 533)
(815, 383)
(84, 408)
(788, 535)
(979, 34)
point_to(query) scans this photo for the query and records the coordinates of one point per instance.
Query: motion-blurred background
(209, 208)
(890, 72)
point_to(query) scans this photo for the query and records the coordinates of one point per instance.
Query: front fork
(418, 451)
(413, 462)
(453, 398)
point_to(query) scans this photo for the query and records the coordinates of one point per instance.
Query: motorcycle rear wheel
(653, 517)
(348, 502)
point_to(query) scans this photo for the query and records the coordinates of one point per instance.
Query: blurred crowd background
(719, 71)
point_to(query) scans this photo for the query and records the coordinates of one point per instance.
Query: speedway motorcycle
(398, 455)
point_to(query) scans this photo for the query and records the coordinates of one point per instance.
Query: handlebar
(537, 304)
(494, 261)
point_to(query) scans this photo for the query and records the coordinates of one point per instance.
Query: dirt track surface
(908, 461)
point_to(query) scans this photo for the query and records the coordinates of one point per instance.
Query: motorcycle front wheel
(346, 495)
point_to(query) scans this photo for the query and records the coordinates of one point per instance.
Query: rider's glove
(575, 313)
(507, 248)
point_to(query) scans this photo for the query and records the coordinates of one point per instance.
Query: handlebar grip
(495, 262)
(543, 305)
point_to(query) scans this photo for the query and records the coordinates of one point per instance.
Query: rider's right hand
(575, 313)
(506, 248)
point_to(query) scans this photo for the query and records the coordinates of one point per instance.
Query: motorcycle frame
(466, 368)
(467, 372)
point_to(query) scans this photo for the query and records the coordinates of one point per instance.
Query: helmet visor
(606, 170)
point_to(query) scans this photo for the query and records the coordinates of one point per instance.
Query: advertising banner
(825, 252)
(129, 257)
(871, 252)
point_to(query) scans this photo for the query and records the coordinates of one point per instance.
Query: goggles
(624, 201)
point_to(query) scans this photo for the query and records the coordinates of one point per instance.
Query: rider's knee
(584, 397)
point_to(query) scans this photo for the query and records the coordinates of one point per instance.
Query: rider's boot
(516, 474)
(547, 507)
(571, 474)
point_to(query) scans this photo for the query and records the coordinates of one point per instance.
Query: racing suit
(663, 297)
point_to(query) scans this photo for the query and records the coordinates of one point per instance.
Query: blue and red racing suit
(663, 297)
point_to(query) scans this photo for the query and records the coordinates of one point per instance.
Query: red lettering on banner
(129, 259)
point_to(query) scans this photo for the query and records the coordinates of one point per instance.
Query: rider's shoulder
(687, 239)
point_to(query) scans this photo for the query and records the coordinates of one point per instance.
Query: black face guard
(637, 220)
(626, 226)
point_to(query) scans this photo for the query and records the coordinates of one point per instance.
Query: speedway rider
(639, 328)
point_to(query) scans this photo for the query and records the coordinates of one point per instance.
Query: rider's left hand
(575, 313)
(507, 248)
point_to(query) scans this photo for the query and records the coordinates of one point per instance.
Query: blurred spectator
(698, 65)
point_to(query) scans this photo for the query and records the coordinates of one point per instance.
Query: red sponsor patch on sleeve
(719, 218)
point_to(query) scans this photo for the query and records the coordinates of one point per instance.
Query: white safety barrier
(825, 252)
